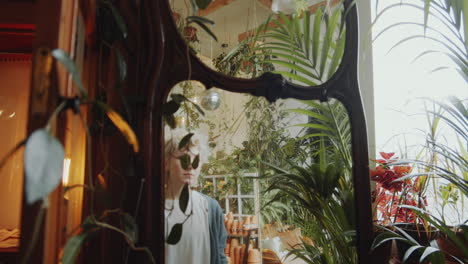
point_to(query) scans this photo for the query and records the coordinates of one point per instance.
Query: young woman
(203, 236)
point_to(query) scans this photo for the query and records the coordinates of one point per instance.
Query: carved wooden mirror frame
(167, 65)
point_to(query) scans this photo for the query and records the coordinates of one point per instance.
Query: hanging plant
(190, 34)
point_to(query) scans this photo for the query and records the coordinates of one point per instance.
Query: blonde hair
(198, 143)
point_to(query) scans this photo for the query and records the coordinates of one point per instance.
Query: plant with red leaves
(391, 191)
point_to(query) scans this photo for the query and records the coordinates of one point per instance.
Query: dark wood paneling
(17, 12)
(16, 38)
(46, 37)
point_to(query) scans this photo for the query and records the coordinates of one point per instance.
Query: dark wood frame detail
(167, 64)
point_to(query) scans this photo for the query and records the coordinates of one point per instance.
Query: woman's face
(177, 174)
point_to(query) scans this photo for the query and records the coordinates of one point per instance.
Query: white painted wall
(365, 70)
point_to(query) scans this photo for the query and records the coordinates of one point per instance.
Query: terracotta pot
(449, 248)
(229, 226)
(234, 242)
(237, 255)
(246, 222)
(247, 66)
(254, 257)
(234, 227)
(232, 255)
(242, 254)
(190, 33)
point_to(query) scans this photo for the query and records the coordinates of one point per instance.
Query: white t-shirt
(194, 245)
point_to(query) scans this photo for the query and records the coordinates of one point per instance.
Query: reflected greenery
(320, 189)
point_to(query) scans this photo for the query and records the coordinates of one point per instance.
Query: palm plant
(455, 115)
(316, 195)
(305, 47)
(453, 35)
(329, 127)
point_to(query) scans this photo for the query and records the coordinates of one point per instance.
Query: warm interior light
(66, 171)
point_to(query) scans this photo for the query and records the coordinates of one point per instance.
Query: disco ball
(210, 100)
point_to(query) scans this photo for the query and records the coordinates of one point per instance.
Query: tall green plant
(305, 47)
(453, 35)
(328, 130)
(316, 195)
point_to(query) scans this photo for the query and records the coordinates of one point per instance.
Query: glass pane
(302, 40)
(285, 166)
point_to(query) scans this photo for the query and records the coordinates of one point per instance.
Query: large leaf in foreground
(43, 165)
(73, 247)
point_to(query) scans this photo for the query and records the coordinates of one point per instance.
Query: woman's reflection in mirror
(203, 236)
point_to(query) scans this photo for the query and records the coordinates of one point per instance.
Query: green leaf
(170, 120)
(175, 234)
(170, 107)
(184, 141)
(184, 198)
(178, 98)
(428, 251)
(316, 35)
(464, 10)
(118, 18)
(206, 29)
(185, 161)
(331, 28)
(316, 126)
(200, 19)
(385, 237)
(296, 77)
(309, 113)
(130, 227)
(233, 52)
(291, 66)
(72, 247)
(121, 65)
(121, 125)
(196, 162)
(306, 21)
(337, 55)
(198, 108)
(202, 4)
(43, 165)
(410, 251)
(66, 61)
(88, 223)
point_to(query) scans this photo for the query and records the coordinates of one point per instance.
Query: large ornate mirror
(279, 176)
(272, 77)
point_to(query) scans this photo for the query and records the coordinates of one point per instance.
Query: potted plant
(392, 193)
(447, 163)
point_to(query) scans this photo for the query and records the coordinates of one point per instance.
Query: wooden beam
(312, 9)
(215, 5)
